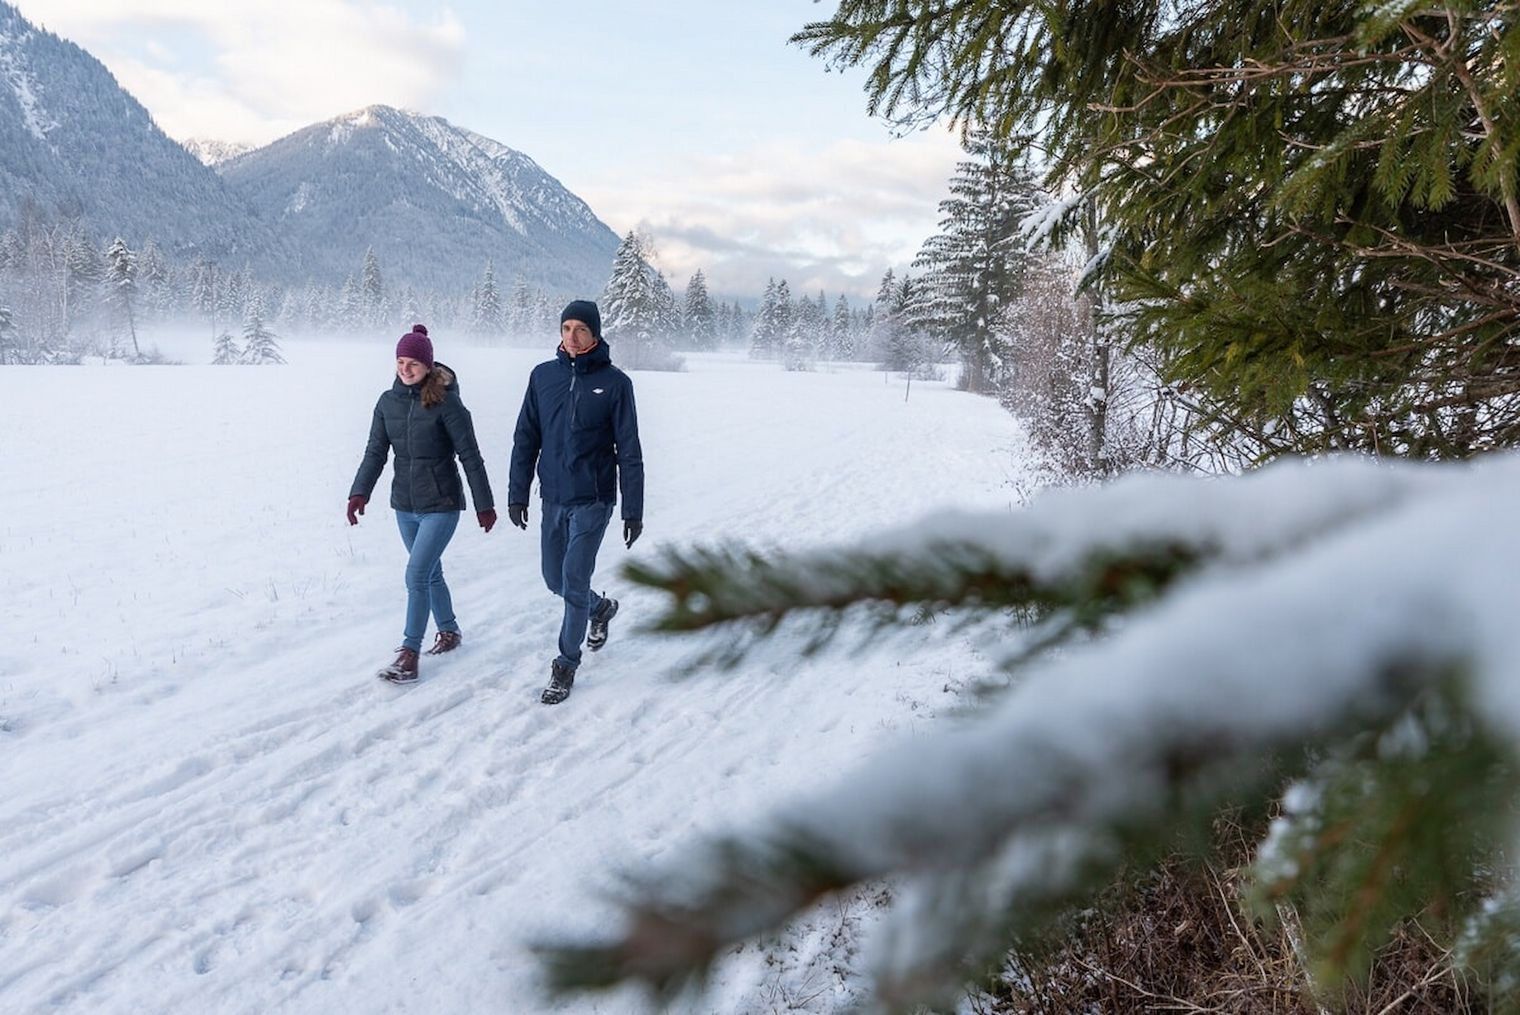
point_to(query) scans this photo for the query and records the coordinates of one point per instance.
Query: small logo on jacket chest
(598, 391)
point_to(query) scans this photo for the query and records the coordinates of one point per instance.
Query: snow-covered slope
(75, 146)
(212, 806)
(434, 200)
(212, 152)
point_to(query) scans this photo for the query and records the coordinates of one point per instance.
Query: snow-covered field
(211, 805)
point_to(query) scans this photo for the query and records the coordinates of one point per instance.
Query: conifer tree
(155, 281)
(883, 335)
(12, 251)
(698, 319)
(485, 311)
(1371, 731)
(842, 330)
(803, 331)
(350, 308)
(225, 351)
(235, 291)
(371, 290)
(639, 309)
(411, 307)
(764, 331)
(522, 308)
(121, 280)
(974, 266)
(84, 270)
(10, 343)
(204, 291)
(1312, 212)
(259, 343)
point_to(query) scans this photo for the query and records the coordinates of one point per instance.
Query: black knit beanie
(584, 311)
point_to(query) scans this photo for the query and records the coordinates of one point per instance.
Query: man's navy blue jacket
(579, 424)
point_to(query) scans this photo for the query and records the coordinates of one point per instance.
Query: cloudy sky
(693, 120)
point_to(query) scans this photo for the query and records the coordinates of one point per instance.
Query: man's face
(576, 337)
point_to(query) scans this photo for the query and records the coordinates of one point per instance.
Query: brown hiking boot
(445, 641)
(403, 670)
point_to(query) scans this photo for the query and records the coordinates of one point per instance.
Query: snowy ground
(210, 803)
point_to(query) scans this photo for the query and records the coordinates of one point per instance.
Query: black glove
(518, 515)
(632, 529)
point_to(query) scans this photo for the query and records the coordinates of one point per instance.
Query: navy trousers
(571, 535)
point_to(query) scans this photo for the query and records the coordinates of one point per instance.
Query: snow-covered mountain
(75, 146)
(435, 201)
(213, 153)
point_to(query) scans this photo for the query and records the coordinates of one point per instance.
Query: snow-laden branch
(1343, 592)
(1071, 548)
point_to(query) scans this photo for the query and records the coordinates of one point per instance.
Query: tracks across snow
(213, 806)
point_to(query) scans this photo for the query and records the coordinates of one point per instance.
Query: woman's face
(410, 370)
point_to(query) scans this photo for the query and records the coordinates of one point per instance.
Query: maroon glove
(486, 518)
(356, 507)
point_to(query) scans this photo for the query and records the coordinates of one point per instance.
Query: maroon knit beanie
(416, 345)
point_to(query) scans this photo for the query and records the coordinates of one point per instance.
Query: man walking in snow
(579, 426)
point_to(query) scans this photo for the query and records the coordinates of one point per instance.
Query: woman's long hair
(434, 386)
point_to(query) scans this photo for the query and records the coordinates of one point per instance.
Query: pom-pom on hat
(584, 311)
(416, 345)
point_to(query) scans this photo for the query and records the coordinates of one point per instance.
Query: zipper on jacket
(411, 442)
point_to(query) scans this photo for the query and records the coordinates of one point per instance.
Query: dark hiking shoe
(596, 635)
(445, 641)
(561, 678)
(403, 670)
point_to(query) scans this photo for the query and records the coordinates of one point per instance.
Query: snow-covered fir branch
(1307, 638)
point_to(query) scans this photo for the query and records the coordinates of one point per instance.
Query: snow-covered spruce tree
(84, 271)
(1321, 636)
(639, 310)
(204, 285)
(697, 319)
(10, 339)
(225, 351)
(121, 288)
(372, 297)
(905, 345)
(765, 336)
(1313, 210)
(485, 306)
(522, 309)
(350, 308)
(975, 265)
(883, 318)
(259, 343)
(841, 331)
(735, 325)
(155, 283)
(411, 307)
(803, 333)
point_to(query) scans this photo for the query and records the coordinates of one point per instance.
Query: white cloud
(263, 69)
(832, 217)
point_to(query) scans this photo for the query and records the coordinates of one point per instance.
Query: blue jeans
(572, 533)
(426, 536)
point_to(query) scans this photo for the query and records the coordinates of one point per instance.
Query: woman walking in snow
(422, 417)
